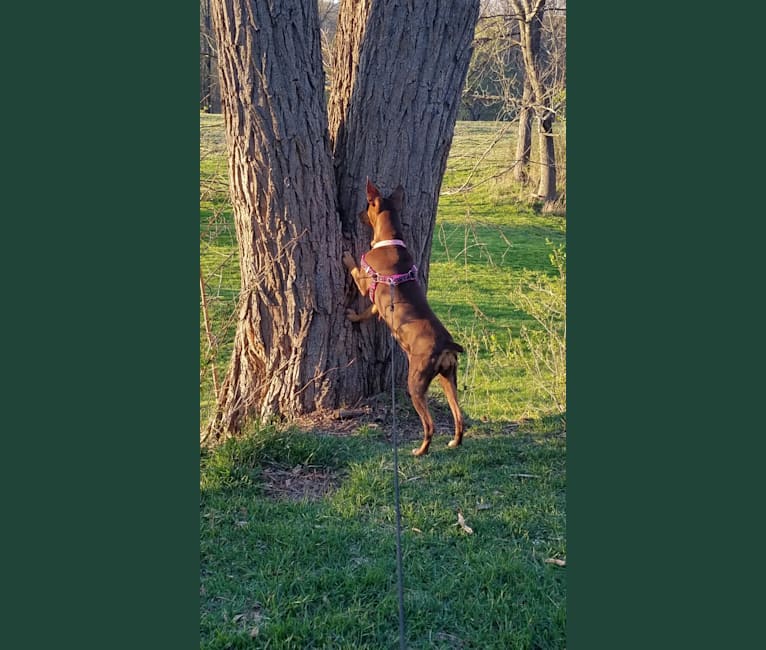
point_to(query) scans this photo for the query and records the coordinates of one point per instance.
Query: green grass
(279, 573)
(486, 241)
(291, 571)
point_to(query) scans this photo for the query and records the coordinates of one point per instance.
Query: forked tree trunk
(398, 72)
(530, 14)
(527, 113)
(289, 348)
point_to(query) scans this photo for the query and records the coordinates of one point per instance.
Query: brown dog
(429, 346)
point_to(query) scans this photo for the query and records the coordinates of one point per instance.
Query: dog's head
(382, 214)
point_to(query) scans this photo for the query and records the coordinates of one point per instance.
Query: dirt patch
(376, 413)
(300, 483)
(449, 640)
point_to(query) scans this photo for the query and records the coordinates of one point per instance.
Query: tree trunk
(530, 21)
(209, 92)
(290, 347)
(524, 141)
(398, 73)
(547, 188)
(204, 54)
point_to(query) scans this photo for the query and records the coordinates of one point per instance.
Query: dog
(429, 347)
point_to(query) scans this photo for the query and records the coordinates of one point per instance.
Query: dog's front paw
(352, 316)
(348, 260)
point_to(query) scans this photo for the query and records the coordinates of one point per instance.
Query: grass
(487, 241)
(297, 528)
(283, 573)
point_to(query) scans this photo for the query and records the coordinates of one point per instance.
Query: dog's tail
(446, 362)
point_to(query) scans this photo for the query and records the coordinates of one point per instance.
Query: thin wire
(399, 572)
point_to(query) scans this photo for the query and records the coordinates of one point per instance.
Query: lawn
(297, 527)
(297, 542)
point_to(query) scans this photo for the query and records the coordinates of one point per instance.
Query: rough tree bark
(398, 76)
(530, 14)
(289, 350)
(398, 73)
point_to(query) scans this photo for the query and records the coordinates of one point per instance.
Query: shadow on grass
(320, 572)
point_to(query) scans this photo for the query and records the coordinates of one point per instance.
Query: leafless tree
(519, 69)
(209, 92)
(328, 19)
(529, 16)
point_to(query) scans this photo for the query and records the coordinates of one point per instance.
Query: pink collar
(389, 242)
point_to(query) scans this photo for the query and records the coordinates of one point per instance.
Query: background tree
(397, 76)
(328, 19)
(517, 43)
(495, 73)
(529, 17)
(209, 92)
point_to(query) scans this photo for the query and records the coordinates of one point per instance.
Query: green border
(164, 440)
(658, 517)
(612, 424)
(101, 464)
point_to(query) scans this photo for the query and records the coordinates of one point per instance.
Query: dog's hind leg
(449, 385)
(417, 383)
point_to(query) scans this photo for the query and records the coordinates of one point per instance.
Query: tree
(495, 73)
(519, 42)
(398, 71)
(529, 16)
(397, 75)
(209, 95)
(328, 19)
(289, 342)
(524, 137)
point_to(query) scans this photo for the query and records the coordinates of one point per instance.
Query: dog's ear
(372, 191)
(397, 198)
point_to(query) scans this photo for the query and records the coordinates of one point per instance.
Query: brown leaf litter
(300, 483)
